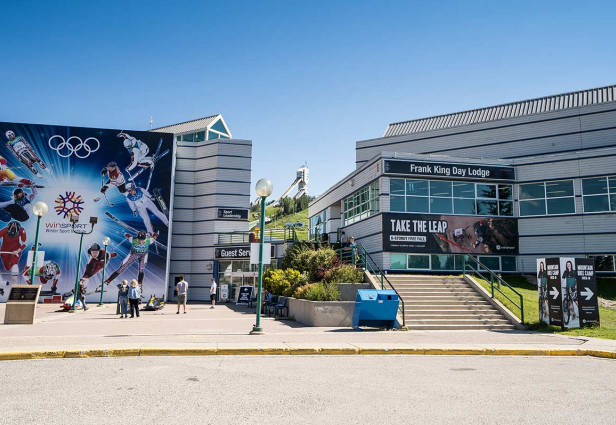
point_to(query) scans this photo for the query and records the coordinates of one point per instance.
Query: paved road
(310, 389)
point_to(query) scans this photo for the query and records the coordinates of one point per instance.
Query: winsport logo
(68, 204)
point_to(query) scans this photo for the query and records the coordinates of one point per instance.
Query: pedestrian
(81, 294)
(134, 294)
(182, 288)
(123, 296)
(353, 247)
(213, 292)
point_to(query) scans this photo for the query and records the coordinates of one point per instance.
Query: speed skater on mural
(95, 263)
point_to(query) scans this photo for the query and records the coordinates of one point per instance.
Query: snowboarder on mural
(138, 152)
(13, 243)
(24, 152)
(140, 245)
(19, 207)
(49, 272)
(95, 264)
(140, 202)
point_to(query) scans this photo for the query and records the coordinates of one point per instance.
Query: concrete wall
(331, 314)
(348, 291)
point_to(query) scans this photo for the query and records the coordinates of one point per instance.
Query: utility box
(376, 308)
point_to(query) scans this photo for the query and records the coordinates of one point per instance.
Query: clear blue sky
(303, 79)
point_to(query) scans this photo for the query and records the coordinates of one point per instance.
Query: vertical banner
(569, 291)
(542, 289)
(552, 266)
(587, 295)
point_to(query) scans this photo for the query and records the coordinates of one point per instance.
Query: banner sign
(567, 290)
(449, 234)
(121, 177)
(245, 293)
(449, 170)
(241, 252)
(232, 214)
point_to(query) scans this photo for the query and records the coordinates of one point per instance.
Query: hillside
(278, 221)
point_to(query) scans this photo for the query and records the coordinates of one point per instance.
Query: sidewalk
(225, 330)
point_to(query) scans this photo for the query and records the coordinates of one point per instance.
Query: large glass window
(446, 197)
(603, 263)
(448, 262)
(547, 198)
(364, 203)
(599, 194)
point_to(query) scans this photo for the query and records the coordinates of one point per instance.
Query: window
(398, 261)
(547, 198)
(599, 194)
(603, 263)
(418, 262)
(317, 225)
(446, 197)
(448, 262)
(362, 204)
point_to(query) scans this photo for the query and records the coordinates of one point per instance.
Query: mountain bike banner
(569, 293)
(449, 234)
(121, 177)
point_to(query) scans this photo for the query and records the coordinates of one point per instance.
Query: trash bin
(377, 308)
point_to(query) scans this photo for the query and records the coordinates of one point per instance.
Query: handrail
(373, 268)
(493, 277)
(287, 234)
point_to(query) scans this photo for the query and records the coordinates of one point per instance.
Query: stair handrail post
(492, 282)
(464, 265)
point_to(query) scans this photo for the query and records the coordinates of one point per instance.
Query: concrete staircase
(445, 303)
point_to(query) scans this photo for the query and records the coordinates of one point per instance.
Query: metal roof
(507, 110)
(199, 124)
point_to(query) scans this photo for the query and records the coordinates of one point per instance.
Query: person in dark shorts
(213, 292)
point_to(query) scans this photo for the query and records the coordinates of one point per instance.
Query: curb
(148, 352)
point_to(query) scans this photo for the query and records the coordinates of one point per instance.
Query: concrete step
(462, 321)
(435, 290)
(401, 281)
(449, 307)
(458, 327)
(414, 316)
(435, 285)
(433, 304)
(442, 297)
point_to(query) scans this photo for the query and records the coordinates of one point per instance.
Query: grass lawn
(606, 289)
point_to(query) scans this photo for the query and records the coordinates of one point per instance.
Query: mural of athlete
(95, 264)
(138, 151)
(49, 272)
(140, 202)
(19, 207)
(138, 252)
(114, 178)
(13, 243)
(24, 152)
(8, 177)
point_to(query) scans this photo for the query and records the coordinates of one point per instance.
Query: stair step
(435, 290)
(464, 321)
(446, 303)
(457, 327)
(444, 316)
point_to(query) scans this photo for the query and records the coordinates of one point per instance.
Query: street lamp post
(39, 209)
(264, 189)
(106, 241)
(75, 220)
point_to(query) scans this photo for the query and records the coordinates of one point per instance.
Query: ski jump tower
(301, 181)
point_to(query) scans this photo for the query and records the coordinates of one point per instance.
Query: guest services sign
(449, 170)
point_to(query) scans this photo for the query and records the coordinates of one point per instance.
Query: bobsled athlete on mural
(140, 245)
(114, 178)
(49, 272)
(19, 207)
(138, 152)
(24, 152)
(140, 202)
(95, 263)
(13, 243)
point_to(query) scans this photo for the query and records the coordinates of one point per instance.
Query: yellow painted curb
(303, 351)
(338, 351)
(177, 352)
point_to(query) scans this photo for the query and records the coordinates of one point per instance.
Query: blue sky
(303, 79)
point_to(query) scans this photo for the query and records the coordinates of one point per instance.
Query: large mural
(121, 177)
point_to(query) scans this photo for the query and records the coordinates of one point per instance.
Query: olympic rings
(65, 148)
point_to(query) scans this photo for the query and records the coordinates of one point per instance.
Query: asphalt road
(310, 389)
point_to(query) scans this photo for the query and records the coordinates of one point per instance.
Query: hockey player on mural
(13, 243)
(19, 207)
(140, 202)
(48, 272)
(95, 263)
(138, 152)
(114, 178)
(24, 152)
(140, 245)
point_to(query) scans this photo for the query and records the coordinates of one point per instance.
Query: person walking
(134, 294)
(182, 288)
(81, 295)
(353, 248)
(213, 292)
(123, 296)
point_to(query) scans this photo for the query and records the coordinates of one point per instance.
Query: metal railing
(286, 234)
(361, 258)
(495, 280)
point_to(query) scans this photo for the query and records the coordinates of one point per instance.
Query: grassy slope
(302, 232)
(606, 289)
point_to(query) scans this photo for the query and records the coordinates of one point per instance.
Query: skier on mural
(140, 202)
(115, 178)
(48, 272)
(8, 177)
(13, 243)
(24, 152)
(19, 207)
(95, 264)
(138, 152)
(138, 252)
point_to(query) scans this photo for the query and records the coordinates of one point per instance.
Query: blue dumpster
(377, 308)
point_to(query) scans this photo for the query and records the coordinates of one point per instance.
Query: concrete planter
(331, 314)
(348, 291)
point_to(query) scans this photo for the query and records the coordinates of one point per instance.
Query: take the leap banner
(445, 234)
(121, 177)
(567, 290)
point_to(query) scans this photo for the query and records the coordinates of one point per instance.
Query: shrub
(344, 274)
(278, 281)
(322, 292)
(297, 257)
(321, 261)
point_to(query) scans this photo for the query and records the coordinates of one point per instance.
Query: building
(509, 183)
(210, 206)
